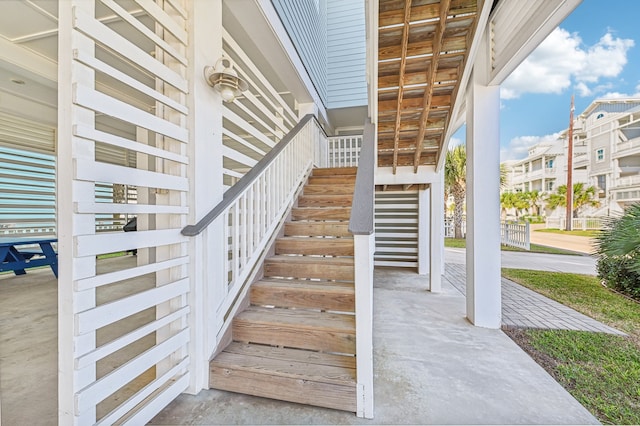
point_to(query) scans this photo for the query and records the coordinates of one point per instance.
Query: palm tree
(618, 250)
(455, 183)
(534, 198)
(582, 197)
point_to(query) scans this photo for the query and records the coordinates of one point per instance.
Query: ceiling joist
(422, 48)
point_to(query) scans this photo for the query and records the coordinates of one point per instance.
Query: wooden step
(334, 171)
(332, 180)
(321, 213)
(304, 377)
(328, 189)
(326, 295)
(316, 229)
(326, 268)
(296, 328)
(325, 200)
(315, 245)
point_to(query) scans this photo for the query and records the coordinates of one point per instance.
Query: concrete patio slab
(431, 367)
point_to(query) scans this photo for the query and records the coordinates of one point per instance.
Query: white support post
(364, 247)
(437, 237)
(423, 231)
(207, 250)
(483, 204)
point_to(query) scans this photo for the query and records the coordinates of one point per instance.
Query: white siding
(306, 23)
(346, 54)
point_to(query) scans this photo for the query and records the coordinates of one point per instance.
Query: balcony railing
(627, 148)
(627, 181)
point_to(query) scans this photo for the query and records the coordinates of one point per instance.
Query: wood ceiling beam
(437, 47)
(421, 48)
(391, 81)
(429, 11)
(403, 62)
(409, 104)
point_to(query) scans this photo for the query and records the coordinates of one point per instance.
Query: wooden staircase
(296, 340)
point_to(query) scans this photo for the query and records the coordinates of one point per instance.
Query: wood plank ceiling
(423, 46)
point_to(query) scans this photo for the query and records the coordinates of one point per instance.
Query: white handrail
(253, 210)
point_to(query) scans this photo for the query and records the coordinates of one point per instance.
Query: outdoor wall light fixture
(225, 80)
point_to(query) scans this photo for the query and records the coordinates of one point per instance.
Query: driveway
(579, 264)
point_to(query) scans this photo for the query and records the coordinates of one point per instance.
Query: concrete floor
(29, 341)
(431, 367)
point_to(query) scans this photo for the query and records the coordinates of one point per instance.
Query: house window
(549, 185)
(599, 116)
(549, 164)
(600, 155)
(602, 182)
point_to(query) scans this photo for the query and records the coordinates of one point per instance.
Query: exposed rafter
(403, 61)
(422, 48)
(431, 77)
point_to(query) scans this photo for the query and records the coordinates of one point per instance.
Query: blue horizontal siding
(305, 22)
(346, 53)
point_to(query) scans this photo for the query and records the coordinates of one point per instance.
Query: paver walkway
(524, 308)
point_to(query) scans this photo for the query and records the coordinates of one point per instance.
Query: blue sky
(595, 53)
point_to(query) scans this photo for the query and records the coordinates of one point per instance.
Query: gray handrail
(361, 221)
(234, 192)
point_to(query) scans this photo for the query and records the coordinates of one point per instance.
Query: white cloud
(453, 142)
(618, 95)
(518, 148)
(583, 89)
(561, 59)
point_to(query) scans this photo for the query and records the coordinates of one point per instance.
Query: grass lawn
(601, 371)
(591, 233)
(461, 243)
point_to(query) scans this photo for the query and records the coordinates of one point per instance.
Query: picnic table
(20, 253)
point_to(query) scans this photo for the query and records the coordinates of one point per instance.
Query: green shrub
(615, 272)
(618, 249)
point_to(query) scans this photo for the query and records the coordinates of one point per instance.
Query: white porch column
(206, 250)
(423, 230)
(436, 261)
(483, 200)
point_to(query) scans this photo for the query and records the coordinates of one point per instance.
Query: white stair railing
(344, 151)
(253, 210)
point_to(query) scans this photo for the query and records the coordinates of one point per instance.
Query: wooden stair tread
(320, 285)
(315, 228)
(286, 375)
(302, 260)
(304, 294)
(321, 213)
(325, 200)
(286, 362)
(300, 318)
(315, 245)
(332, 171)
(345, 189)
(332, 180)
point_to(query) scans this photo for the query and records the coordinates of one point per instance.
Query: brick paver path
(524, 308)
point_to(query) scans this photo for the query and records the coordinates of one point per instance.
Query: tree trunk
(458, 199)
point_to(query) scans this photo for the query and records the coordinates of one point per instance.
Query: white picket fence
(515, 235)
(449, 228)
(579, 223)
(511, 234)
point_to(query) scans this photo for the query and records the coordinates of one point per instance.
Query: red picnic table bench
(20, 253)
